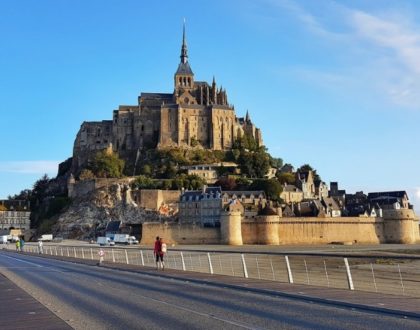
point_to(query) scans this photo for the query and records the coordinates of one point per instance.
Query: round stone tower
(230, 225)
(401, 226)
(268, 229)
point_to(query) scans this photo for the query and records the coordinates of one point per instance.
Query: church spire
(184, 52)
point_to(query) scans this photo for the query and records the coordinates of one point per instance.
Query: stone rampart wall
(83, 187)
(179, 234)
(363, 230)
(152, 199)
(328, 230)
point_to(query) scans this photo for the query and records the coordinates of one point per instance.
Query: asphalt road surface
(90, 297)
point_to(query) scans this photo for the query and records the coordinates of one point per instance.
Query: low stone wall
(179, 234)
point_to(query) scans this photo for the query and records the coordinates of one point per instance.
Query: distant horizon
(333, 85)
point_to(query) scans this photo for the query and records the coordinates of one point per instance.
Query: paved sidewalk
(19, 310)
(401, 306)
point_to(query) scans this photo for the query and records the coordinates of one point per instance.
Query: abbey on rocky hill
(195, 114)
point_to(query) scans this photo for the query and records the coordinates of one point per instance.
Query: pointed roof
(184, 67)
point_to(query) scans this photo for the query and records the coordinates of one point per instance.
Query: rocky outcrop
(88, 215)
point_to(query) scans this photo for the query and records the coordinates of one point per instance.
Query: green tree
(146, 170)
(86, 174)
(107, 165)
(226, 183)
(271, 187)
(306, 168)
(288, 178)
(276, 162)
(143, 182)
(254, 164)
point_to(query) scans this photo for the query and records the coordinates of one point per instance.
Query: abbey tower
(196, 114)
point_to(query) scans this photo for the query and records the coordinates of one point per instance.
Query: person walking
(163, 250)
(22, 243)
(40, 247)
(101, 254)
(18, 245)
(158, 252)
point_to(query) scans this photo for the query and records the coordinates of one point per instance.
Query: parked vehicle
(4, 239)
(102, 241)
(46, 238)
(125, 239)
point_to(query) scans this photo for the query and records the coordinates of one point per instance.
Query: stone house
(332, 209)
(201, 207)
(16, 216)
(305, 182)
(291, 194)
(321, 189)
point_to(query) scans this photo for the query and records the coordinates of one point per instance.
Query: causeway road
(86, 296)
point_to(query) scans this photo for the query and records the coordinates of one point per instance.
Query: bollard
(349, 278)
(244, 265)
(289, 270)
(75, 254)
(91, 253)
(83, 254)
(210, 265)
(68, 253)
(113, 255)
(183, 262)
(126, 256)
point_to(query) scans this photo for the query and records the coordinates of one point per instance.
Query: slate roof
(396, 194)
(291, 188)
(184, 68)
(331, 203)
(195, 195)
(156, 95)
(244, 192)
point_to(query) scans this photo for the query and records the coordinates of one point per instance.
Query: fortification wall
(179, 234)
(275, 230)
(327, 230)
(83, 187)
(152, 199)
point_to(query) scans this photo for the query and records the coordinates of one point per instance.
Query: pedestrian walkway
(19, 310)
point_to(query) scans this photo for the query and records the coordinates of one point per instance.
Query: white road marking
(24, 261)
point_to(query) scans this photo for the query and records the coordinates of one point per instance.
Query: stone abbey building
(196, 114)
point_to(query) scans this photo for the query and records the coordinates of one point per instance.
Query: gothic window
(186, 100)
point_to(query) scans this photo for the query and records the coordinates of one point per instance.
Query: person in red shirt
(158, 253)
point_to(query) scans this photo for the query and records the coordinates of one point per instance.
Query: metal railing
(375, 274)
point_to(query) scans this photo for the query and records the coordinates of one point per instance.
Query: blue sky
(335, 84)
